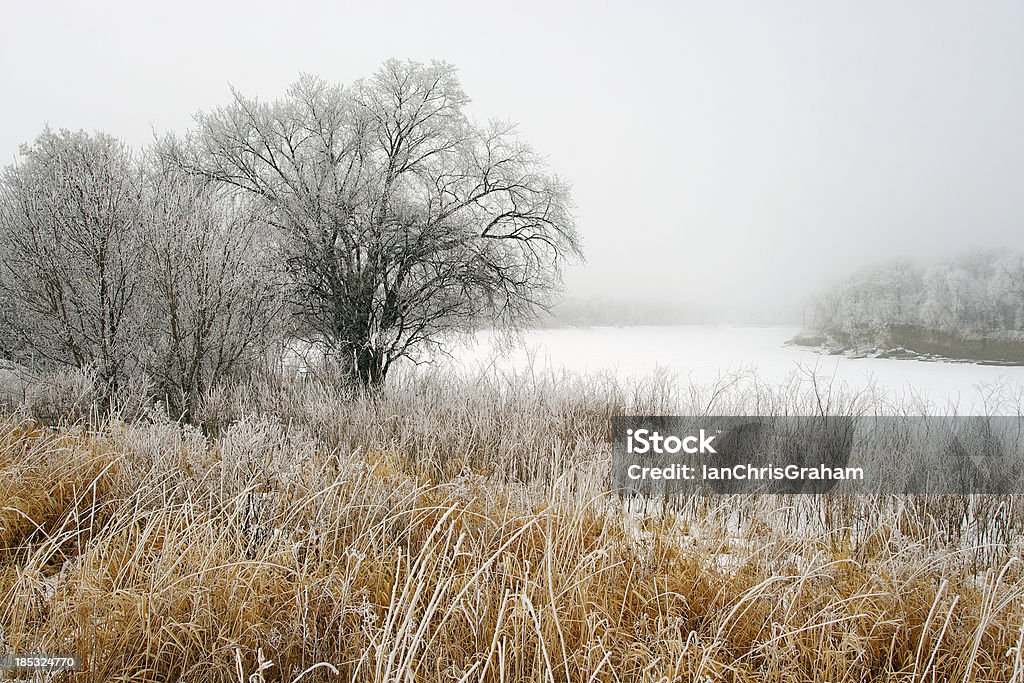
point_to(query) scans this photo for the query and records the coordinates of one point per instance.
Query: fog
(737, 155)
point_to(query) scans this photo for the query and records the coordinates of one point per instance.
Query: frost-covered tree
(399, 219)
(125, 266)
(976, 295)
(1006, 292)
(73, 260)
(212, 287)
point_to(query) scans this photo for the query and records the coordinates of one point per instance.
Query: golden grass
(158, 554)
(364, 546)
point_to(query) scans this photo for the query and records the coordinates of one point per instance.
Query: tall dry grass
(458, 529)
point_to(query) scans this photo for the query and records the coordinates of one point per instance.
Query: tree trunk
(367, 368)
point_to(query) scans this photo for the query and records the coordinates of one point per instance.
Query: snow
(700, 354)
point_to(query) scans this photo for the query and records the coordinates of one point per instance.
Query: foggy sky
(737, 154)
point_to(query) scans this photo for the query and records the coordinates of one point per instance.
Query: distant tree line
(605, 311)
(975, 296)
(370, 220)
(601, 311)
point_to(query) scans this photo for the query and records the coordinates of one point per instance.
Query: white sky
(740, 153)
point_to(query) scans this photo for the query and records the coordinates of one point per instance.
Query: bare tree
(399, 219)
(212, 291)
(72, 258)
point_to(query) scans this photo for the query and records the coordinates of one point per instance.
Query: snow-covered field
(702, 354)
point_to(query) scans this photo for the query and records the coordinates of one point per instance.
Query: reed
(458, 528)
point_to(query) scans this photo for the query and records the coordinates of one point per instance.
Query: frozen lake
(701, 354)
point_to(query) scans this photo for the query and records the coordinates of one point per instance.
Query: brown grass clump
(407, 539)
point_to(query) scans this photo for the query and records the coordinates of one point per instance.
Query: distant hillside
(971, 307)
